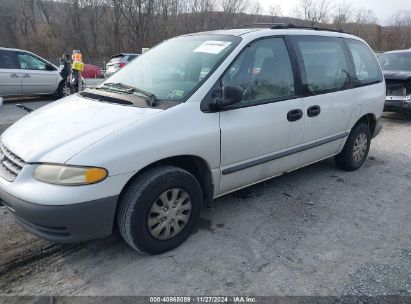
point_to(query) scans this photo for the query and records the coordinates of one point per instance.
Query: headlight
(69, 175)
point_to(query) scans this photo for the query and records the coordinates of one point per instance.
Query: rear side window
(366, 66)
(325, 62)
(8, 60)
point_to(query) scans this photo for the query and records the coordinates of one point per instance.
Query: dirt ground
(315, 231)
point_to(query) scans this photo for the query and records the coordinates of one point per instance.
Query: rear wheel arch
(370, 120)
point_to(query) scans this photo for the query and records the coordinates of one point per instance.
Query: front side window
(325, 63)
(8, 60)
(176, 68)
(263, 70)
(366, 65)
(29, 62)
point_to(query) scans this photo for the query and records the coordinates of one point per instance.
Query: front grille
(10, 164)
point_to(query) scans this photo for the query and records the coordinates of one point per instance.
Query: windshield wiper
(123, 88)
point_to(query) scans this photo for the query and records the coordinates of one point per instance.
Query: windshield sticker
(212, 47)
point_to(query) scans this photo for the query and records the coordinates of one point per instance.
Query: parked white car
(173, 130)
(24, 73)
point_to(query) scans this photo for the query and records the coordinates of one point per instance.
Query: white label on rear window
(212, 47)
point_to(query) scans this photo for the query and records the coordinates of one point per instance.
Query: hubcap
(169, 214)
(360, 147)
(66, 90)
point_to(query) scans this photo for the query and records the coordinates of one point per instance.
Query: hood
(397, 75)
(60, 130)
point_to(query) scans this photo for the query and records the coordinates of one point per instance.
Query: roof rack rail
(265, 25)
(277, 26)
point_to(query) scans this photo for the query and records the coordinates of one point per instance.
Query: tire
(155, 190)
(63, 90)
(356, 149)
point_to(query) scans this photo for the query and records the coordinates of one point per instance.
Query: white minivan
(194, 118)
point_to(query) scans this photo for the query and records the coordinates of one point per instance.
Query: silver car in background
(118, 61)
(24, 73)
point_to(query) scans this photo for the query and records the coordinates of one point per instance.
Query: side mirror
(231, 95)
(1, 101)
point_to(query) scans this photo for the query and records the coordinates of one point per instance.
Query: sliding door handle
(313, 111)
(294, 115)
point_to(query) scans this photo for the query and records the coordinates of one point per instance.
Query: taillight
(121, 64)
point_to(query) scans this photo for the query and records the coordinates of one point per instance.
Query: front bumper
(397, 105)
(64, 223)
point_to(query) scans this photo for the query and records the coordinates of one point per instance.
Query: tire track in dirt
(29, 260)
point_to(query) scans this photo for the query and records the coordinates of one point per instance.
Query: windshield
(395, 62)
(174, 69)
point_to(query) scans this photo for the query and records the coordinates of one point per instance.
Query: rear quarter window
(367, 69)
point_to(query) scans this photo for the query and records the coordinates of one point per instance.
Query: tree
(275, 10)
(231, 9)
(342, 15)
(313, 11)
(398, 35)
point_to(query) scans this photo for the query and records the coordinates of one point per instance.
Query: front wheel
(356, 149)
(159, 209)
(63, 90)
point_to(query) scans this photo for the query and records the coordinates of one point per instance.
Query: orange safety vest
(77, 57)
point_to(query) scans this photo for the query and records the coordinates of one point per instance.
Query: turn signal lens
(69, 175)
(95, 175)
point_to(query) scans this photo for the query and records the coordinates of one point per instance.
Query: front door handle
(26, 76)
(313, 111)
(14, 76)
(294, 115)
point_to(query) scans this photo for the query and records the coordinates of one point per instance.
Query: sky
(383, 9)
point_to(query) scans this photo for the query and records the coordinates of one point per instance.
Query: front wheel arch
(138, 198)
(195, 165)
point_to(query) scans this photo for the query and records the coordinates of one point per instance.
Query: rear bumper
(66, 223)
(397, 105)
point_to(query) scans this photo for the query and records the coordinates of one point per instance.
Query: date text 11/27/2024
(203, 299)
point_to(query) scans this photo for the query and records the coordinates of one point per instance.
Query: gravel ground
(315, 231)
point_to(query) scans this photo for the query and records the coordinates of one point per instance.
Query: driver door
(255, 133)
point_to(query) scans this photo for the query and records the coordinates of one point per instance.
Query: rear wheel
(356, 149)
(159, 209)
